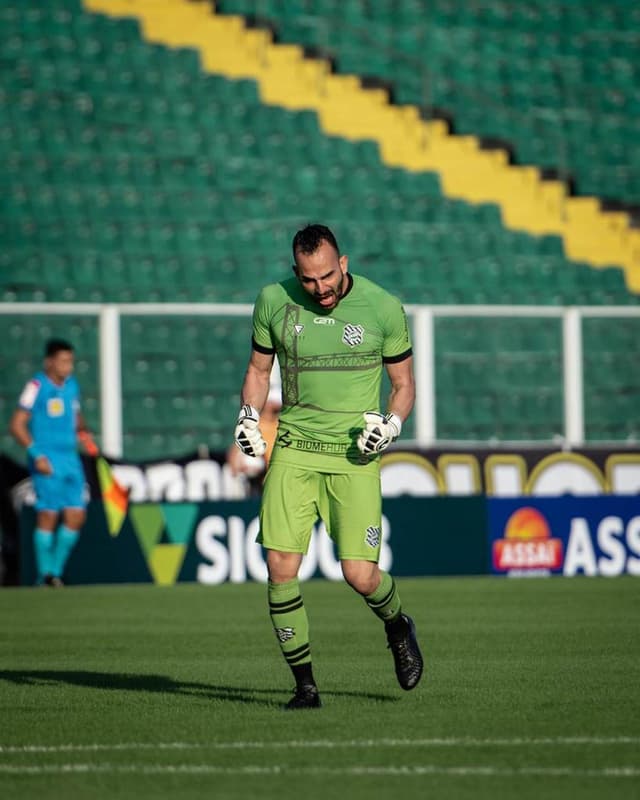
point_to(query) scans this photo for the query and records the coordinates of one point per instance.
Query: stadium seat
(131, 175)
(546, 78)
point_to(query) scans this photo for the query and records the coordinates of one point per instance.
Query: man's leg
(380, 593)
(66, 539)
(355, 514)
(48, 490)
(43, 544)
(287, 514)
(74, 514)
(291, 625)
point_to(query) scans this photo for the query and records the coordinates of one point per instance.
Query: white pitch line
(403, 772)
(325, 744)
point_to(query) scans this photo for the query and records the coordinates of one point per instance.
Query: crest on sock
(284, 634)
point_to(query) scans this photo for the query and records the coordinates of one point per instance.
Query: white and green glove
(247, 433)
(379, 431)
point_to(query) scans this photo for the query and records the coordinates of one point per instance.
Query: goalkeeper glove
(247, 433)
(380, 430)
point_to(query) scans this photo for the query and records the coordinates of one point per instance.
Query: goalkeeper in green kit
(333, 333)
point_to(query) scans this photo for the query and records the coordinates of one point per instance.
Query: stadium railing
(425, 344)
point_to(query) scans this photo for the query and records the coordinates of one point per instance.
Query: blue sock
(65, 542)
(43, 546)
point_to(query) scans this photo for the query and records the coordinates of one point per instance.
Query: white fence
(424, 345)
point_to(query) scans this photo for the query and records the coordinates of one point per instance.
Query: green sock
(385, 601)
(290, 623)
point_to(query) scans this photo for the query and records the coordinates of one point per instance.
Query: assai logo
(527, 545)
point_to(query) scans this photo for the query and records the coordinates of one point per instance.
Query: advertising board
(564, 536)
(212, 543)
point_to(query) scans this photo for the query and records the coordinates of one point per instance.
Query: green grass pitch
(531, 690)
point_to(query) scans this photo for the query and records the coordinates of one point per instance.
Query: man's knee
(74, 518)
(363, 576)
(47, 520)
(282, 566)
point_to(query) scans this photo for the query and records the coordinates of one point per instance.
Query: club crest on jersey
(284, 634)
(353, 334)
(55, 407)
(373, 536)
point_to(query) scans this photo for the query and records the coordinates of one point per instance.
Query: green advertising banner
(214, 542)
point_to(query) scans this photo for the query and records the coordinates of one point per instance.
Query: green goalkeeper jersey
(331, 366)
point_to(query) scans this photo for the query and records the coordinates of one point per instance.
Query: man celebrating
(48, 423)
(333, 333)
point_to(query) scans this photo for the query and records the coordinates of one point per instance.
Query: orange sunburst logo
(527, 543)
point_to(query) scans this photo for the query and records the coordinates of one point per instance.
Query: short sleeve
(29, 395)
(262, 339)
(397, 339)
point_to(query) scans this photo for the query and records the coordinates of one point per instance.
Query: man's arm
(403, 388)
(255, 389)
(84, 436)
(380, 430)
(256, 380)
(19, 429)
(81, 423)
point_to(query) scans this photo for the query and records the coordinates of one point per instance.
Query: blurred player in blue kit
(48, 423)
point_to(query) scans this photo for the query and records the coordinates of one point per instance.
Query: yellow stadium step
(345, 108)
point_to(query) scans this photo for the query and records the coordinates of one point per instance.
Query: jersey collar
(349, 285)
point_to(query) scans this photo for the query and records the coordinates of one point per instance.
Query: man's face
(59, 366)
(323, 275)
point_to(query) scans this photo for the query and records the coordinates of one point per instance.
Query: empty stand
(611, 365)
(560, 81)
(502, 376)
(131, 175)
(181, 378)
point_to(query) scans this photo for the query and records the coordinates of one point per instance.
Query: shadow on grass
(163, 685)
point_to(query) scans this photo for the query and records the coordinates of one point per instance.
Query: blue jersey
(54, 409)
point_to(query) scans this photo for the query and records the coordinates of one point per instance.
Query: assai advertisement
(564, 536)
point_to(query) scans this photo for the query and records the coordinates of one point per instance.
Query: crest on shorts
(373, 536)
(284, 634)
(353, 334)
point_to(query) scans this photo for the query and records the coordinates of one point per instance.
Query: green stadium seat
(550, 67)
(130, 175)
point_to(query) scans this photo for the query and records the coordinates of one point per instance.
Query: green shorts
(349, 504)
